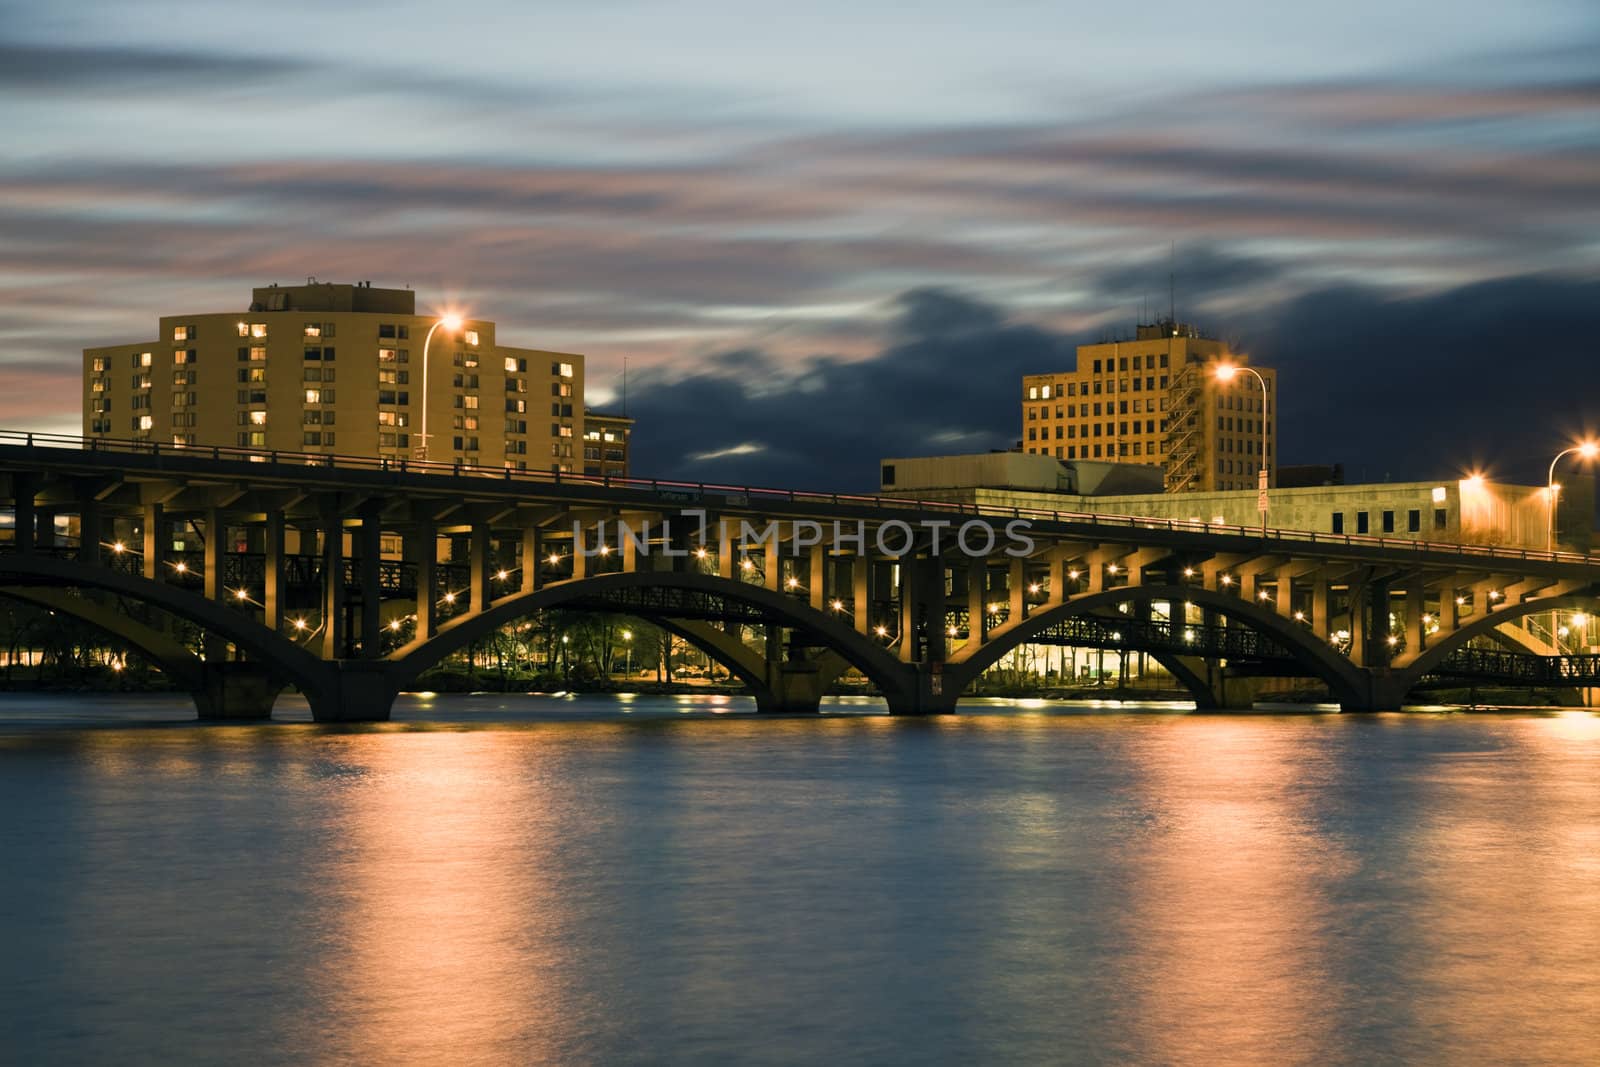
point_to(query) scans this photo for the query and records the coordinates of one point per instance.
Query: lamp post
(1585, 450)
(1225, 373)
(452, 323)
(627, 641)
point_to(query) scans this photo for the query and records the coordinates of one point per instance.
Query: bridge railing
(686, 492)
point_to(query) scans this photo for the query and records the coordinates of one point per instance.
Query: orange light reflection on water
(450, 933)
(1227, 897)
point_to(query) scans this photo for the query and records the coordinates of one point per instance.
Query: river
(544, 880)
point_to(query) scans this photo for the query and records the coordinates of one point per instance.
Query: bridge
(348, 577)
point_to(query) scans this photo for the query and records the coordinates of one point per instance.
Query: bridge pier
(793, 688)
(1385, 691)
(924, 692)
(358, 691)
(236, 691)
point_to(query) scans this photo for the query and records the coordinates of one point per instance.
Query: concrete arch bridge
(348, 577)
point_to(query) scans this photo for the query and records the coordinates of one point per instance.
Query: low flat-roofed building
(1016, 470)
(1464, 511)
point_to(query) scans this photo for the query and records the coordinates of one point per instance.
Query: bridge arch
(166, 653)
(1344, 679)
(896, 680)
(272, 653)
(1412, 670)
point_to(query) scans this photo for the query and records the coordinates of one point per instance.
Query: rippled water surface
(537, 880)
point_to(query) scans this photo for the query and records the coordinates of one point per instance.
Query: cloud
(95, 68)
(1197, 271)
(744, 448)
(950, 368)
(1495, 375)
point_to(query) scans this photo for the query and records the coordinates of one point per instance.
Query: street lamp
(452, 323)
(1225, 373)
(1585, 450)
(627, 641)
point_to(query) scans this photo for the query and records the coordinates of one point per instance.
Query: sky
(824, 233)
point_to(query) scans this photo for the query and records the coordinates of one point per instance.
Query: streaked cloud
(945, 203)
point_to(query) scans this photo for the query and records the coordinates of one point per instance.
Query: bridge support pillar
(925, 691)
(1385, 690)
(23, 488)
(794, 687)
(237, 691)
(360, 691)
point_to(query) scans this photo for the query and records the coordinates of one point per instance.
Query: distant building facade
(1155, 400)
(1465, 511)
(606, 444)
(338, 369)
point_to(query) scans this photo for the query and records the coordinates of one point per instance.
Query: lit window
(258, 329)
(471, 336)
(564, 370)
(511, 365)
(182, 333)
(313, 329)
(258, 418)
(146, 422)
(143, 359)
(470, 403)
(258, 354)
(244, 329)
(313, 396)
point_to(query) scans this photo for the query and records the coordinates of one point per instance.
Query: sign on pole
(1261, 489)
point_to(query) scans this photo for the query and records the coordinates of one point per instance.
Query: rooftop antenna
(1172, 286)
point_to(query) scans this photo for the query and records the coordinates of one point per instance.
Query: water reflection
(448, 932)
(572, 882)
(1227, 893)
